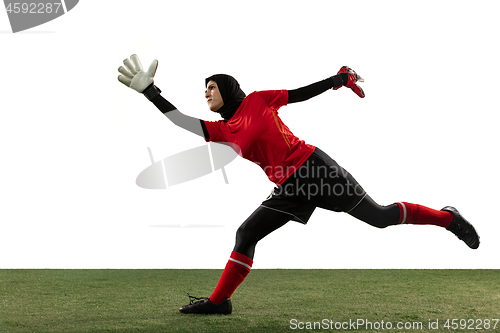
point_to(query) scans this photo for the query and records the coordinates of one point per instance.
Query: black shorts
(319, 182)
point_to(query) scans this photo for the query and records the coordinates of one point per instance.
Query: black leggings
(374, 214)
(265, 220)
(261, 223)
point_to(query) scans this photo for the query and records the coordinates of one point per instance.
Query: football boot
(462, 228)
(202, 305)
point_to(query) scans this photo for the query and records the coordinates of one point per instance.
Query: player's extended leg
(407, 213)
(262, 222)
(374, 214)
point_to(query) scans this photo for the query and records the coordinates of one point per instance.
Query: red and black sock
(418, 214)
(237, 269)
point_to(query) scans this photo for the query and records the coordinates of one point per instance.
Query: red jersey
(262, 136)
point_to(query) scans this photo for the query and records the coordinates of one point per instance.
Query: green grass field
(268, 300)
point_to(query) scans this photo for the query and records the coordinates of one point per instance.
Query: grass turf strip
(267, 301)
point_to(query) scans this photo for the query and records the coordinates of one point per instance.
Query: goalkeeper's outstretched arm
(134, 77)
(194, 125)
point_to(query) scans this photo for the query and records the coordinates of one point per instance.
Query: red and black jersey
(261, 135)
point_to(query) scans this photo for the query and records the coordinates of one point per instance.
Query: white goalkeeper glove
(133, 76)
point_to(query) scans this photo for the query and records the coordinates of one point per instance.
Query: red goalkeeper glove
(349, 79)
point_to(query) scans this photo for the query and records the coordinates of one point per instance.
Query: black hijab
(231, 93)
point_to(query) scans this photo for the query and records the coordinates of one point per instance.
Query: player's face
(212, 94)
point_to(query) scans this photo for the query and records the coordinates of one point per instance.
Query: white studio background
(73, 139)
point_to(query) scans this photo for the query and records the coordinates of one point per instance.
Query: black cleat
(462, 228)
(205, 306)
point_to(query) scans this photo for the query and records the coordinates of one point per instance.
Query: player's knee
(242, 235)
(244, 243)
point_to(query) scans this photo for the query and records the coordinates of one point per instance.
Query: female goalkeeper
(305, 176)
